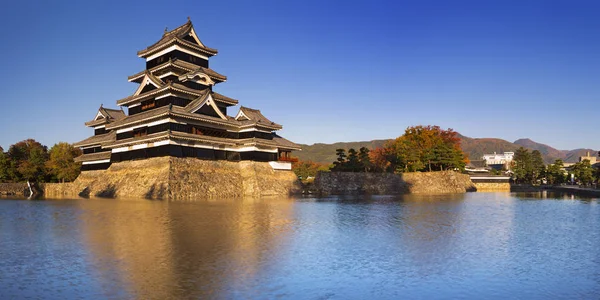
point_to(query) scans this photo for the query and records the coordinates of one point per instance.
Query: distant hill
(477, 147)
(325, 153)
(474, 147)
(550, 154)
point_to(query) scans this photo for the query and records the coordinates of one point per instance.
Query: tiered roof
(248, 115)
(105, 116)
(95, 140)
(178, 36)
(277, 141)
(186, 39)
(164, 88)
(179, 67)
(93, 156)
(185, 113)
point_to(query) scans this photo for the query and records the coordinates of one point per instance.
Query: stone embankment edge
(180, 179)
(344, 183)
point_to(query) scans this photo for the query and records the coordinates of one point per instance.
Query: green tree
(28, 161)
(522, 165)
(4, 166)
(555, 173)
(538, 167)
(61, 164)
(584, 173)
(34, 168)
(340, 162)
(444, 157)
(364, 159)
(353, 164)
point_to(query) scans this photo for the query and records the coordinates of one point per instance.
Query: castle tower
(175, 112)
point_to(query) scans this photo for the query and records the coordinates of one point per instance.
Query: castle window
(148, 105)
(140, 132)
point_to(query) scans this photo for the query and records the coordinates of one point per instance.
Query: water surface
(471, 246)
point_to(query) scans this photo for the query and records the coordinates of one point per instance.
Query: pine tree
(538, 167)
(583, 171)
(554, 173)
(522, 165)
(364, 159)
(353, 164)
(340, 162)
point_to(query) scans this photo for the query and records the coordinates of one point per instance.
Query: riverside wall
(341, 183)
(492, 186)
(180, 179)
(14, 189)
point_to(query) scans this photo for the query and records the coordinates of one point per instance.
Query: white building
(499, 159)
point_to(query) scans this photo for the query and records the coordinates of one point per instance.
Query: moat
(473, 245)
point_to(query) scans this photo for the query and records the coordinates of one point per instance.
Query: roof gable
(205, 101)
(183, 35)
(191, 35)
(99, 115)
(106, 115)
(241, 116)
(148, 79)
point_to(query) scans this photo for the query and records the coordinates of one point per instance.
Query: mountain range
(473, 147)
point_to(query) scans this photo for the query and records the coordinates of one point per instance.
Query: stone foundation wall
(18, 189)
(341, 183)
(172, 178)
(492, 186)
(444, 182)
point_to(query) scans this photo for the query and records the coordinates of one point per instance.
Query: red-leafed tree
(381, 159)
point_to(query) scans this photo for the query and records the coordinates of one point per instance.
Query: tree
(4, 166)
(305, 169)
(522, 165)
(352, 164)
(583, 171)
(555, 173)
(425, 148)
(27, 161)
(381, 160)
(364, 159)
(538, 167)
(34, 168)
(61, 163)
(340, 163)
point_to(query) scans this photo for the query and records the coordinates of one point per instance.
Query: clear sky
(327, 70)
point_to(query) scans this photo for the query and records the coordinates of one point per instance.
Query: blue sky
(327, 70)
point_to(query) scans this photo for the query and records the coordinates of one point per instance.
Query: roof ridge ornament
(189, 19)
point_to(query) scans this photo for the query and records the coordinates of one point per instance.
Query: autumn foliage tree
(427, 148)
(61, 164)
(305, 169)
(27, 161)
(421, 148)
(380, 159)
